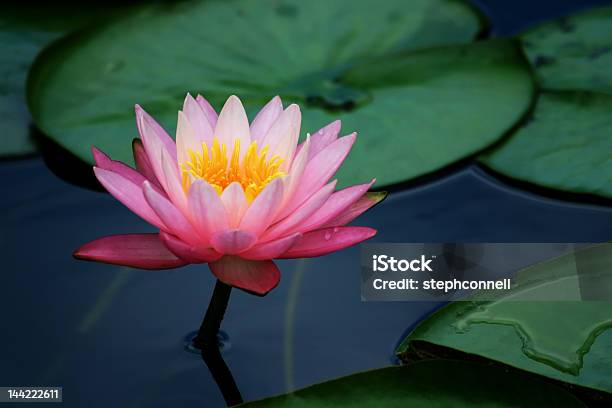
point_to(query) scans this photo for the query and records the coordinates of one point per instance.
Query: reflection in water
(208, 343)
(222, 375)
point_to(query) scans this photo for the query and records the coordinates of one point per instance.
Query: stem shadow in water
(207, 342)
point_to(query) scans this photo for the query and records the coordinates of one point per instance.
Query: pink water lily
(233, 195)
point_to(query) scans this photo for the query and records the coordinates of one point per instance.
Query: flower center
(253, 172)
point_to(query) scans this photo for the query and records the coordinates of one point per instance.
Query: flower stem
(208, 343)
(207, 335)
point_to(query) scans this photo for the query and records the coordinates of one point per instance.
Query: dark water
(109, 334)
(509, 17)
(112, 336)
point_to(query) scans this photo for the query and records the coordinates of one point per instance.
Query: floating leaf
(82, 90)
(24, 31)
(22, 36)
(573, 52)
(441, 383)
(564, 340)
(567, 145)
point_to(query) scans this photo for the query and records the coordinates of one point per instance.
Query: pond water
(109, 334)
(115, 336)
(511, 17)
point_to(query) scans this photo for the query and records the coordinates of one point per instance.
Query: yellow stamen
(253, 172)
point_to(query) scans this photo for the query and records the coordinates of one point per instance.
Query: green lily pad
(82, 90)
(24, 31)
(567, 145)
(567, 340)
(22, 36)
(441, 383)
(574, 52)
(433, 107)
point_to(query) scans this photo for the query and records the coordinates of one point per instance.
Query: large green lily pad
(22, 36)
(430, 384)
(567, 145)
(433, 107)
(24, 31)
(574, 52)
(82, 90)
(567, 340)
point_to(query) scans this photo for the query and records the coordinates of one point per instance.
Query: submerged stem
(208, 343)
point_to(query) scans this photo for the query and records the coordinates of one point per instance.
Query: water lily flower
(233, 195)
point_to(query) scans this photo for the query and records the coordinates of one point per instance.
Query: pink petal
(292, 180)
(232, 242)
(258, 277)
(366, 202)
(323, 138)
(155, 140)
(206, 209)
(324, 241)
(185, 138)
(338, 203)
(272, 249)
(106, 163)
(208, 110)
(143, 164)
(283, 136)
(189, 253)
(170, 215)
(129, 194)
(320, 169)
(293, 223)
(233, 124)
(153, 130)
(235, 203)
(263, 208)
(144, 251)
(199, 121)
(174, 186)
(265, 118)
